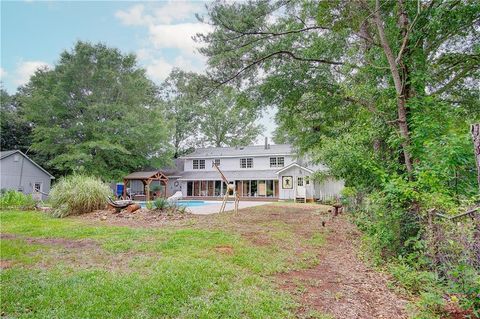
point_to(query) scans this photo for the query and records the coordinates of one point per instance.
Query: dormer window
(246, 162)
(198, 164)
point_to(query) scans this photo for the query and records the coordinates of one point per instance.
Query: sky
(34, 33)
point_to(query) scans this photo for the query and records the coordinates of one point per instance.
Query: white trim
(292, 165)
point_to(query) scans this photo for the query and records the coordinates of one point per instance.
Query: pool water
(186, 203)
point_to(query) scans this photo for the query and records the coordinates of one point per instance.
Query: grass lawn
(218, 266)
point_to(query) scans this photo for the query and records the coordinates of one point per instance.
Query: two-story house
(259, 172)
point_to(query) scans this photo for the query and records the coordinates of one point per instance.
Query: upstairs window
(277, 161)
(216, 161)
(198, 164)
(246, 162)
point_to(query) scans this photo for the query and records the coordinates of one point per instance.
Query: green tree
(228, 119)
(96, 111)
(363, 86)
(15, 132)
(181, 98)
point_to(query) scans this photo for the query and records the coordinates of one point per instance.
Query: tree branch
(278, 53)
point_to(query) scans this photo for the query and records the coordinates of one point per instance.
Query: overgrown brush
(437, 262)
(12, 199)
(78, 194)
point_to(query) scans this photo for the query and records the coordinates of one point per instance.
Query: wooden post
(475, 130)
(146, 189)
(124, 189)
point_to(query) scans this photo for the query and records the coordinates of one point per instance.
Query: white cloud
(134, 16)
(178, 36)
(170, 25)
(26, 69)
(158, 68)
(3, 73)
(166, 14)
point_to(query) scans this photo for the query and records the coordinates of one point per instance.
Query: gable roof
(146, 175)
(294, 164)
(251, 150)
(4, 154)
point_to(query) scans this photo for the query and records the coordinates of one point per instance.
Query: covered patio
(146, 178)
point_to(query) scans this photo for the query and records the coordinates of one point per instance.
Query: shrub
(161, 203)
(16, 200)
(78, 194)
(149, 205)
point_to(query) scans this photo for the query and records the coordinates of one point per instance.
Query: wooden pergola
(146, 178)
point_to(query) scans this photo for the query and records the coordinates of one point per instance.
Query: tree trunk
(475, 130)
(399, 88)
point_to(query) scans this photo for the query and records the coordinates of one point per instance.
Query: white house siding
(173, 186)
(233, 163)
(10, 169)
(329, 188)
(261, 172)
(295, 172)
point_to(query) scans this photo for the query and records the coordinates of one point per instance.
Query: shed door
(301, 191)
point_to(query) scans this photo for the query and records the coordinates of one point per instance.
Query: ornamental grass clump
(78, 194)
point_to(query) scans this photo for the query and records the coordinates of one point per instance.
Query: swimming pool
(186, 203)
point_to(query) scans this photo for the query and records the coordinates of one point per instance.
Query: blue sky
(34, 33)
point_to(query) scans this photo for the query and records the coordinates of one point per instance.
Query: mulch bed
(139, 218)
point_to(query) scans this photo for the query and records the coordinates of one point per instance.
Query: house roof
(305, 166)
(230, 175)
(146, 175)
(4, 154)
(174, 170)
(251, 150)
(293, 165)
(7, 153)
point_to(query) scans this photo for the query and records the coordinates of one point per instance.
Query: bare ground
(341, 284)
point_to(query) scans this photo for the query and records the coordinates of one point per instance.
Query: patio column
(124, 189)
(147, 189)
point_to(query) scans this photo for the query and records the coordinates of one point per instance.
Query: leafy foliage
(78, 194)
(95, 112)
(161, 203)
(382, 92)
(12, 199)
(15, 131)
(228, 119)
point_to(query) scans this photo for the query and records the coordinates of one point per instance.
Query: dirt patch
(143, 218)
(341, 284)
(67, 243)
(224, 249)
(5, 264)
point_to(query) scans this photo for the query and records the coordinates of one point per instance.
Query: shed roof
(4, 154)
(251, 150)
(146, 175)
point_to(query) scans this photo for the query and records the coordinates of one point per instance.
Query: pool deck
(213, 207)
